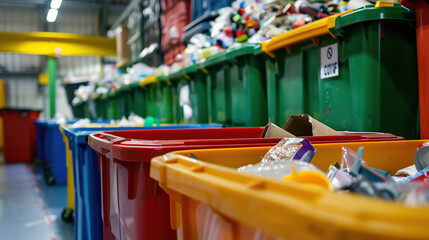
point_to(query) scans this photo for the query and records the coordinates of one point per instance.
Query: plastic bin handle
(148, 80)
(102, 142)
(308, 32)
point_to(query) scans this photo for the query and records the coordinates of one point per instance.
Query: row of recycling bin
(356, 71)
(117, 192)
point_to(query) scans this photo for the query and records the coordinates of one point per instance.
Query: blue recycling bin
(86, 177)
(55, 153)
(40, 138)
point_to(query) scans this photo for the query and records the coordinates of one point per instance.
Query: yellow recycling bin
(209, 198)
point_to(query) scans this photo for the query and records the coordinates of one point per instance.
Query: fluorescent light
(52, 15)
(56, 4)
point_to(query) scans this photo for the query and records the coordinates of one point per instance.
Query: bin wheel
(67, 215)
(50, 180)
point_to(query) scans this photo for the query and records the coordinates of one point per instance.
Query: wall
(24, 91)
(21, 91)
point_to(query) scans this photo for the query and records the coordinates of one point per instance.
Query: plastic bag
(81, 123)
(290, 162)
(278, 160)
(136, 119)
(418, 196)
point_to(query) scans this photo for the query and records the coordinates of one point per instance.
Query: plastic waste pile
(111, 80)
(290, 160)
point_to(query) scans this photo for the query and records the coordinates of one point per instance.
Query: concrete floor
(29, 209)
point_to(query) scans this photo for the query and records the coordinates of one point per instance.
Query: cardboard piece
(274, 131)
(122, 49)
(297, 126)
(305, 125)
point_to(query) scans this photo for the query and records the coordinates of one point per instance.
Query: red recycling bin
(421, 8)
(133, 205)
(19, 134)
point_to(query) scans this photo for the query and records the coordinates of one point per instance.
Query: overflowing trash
(290, 160)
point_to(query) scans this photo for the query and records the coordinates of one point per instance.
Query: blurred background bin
(19, 134)
(367, 91)
(236, 86)
(201, 209)
(152, 54)
(40, 139)
(137, 94)
(421, 8)
(189, 95)
(100, 107)
(55, 171)
(175, 16)
(123, 99)
(202, 12)
(112, 106)
(159, 99)
(127, 191)
(79, 109)
(70, 89)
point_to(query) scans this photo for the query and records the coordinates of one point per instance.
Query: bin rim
(182, 73)
(379, 11)
(244, 49)
(131, 149)
(215, 59)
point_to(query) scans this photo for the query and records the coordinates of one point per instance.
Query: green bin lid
(135, 84)
(214, 59)
(245, 49)
(372, 13)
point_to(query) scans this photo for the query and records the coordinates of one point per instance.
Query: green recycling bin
(137, 103)
(236, 86)
(111, 105)
(124, 101)
(79, 110)
(100, 106)
(356, 71)
(159, 102)
(189, 95)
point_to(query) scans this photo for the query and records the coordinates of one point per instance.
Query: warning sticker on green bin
(329, 61)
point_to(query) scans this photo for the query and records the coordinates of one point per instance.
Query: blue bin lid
(80, 135)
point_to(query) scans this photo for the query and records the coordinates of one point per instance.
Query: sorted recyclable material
(290, 162)
(291, 158)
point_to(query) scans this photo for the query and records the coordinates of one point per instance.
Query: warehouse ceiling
(88, 5)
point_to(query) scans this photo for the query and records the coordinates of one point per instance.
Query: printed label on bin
(329, 61)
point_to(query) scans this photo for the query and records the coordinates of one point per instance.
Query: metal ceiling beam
(66, 5)
(52, 43)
